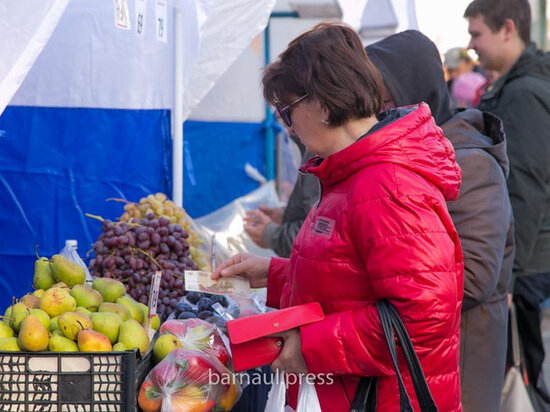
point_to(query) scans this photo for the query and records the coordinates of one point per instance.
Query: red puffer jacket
(381, 230)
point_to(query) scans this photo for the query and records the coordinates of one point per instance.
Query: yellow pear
(164, 345)
(43, 277)
(87, 297)
(133, 336)
(31, 300)
(9, 344)
(5, 330)
(107, 323)
(120, 310)
(91, 341)
(56, 301)
(83, 310)
(67, 271)
(42, 317)
(60, 343)
(155, 321)
(119, 347)
(32, 335)
(135, 311)
(7, 315)
(110, 289)
(18, 319)
(38, 292)
(53, 324)
(70, 323)
(18, 309)
(61, 285)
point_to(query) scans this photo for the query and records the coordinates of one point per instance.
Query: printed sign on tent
(162, 32)
(141, 13)
(122, 16)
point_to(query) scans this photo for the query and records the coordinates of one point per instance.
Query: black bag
(367, 390)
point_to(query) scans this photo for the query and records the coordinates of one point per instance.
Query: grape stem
(94, 217)
(117, 199)
(153, 260)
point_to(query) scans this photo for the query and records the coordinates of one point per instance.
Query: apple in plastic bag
(198, 335)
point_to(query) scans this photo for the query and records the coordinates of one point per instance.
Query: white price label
(141, 14)
(154, 294)
(122, 16)
(161, 13)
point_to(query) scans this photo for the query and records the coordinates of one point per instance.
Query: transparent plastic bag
(227, 223)
(70, 252)
(197, 334)
(188, 380)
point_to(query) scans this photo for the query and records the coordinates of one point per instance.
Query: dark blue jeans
(529, 292)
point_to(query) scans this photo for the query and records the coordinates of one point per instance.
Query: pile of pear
(64, 314)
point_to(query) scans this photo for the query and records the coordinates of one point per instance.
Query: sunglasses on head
(285, 111)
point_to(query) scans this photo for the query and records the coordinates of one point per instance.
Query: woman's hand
(291, 359)
(251, 267)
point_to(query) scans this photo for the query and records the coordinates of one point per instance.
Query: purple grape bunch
(133, 251)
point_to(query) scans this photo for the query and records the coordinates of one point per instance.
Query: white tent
(93, 95)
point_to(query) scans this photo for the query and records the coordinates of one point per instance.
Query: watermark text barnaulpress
(245, 379)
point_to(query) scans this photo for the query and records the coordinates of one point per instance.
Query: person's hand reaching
(274, 213)
(254, 223)
(251, 267)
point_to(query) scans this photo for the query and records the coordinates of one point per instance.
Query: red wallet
(250, 345)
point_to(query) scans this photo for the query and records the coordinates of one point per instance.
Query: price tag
(162, 32)
(153, 301)
(154, 294)
(122, 16)
(141, 14)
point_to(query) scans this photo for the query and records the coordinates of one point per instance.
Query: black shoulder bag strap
(366, 394)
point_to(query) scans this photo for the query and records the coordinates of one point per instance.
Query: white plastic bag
(307, 397)
(276, 398)
(69, 251)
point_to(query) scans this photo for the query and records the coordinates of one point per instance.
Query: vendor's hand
(274, 213)
(251, 267)
(290, 359)
(254, 224)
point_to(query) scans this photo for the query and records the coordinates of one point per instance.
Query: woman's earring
(324, 121)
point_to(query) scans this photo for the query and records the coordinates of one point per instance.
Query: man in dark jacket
(500, 31)
(411, 67)
(276, 228)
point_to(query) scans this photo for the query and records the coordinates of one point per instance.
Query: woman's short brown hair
(328, 63)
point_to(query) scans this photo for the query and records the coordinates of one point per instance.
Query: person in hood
(381, 229)
(500, 35)
(411, 67)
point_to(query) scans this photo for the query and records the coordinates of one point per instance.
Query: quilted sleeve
(412, 258)
(277, 277)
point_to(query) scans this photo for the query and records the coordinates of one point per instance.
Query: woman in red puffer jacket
(381, 229)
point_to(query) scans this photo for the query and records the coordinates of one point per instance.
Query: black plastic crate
(71, 381)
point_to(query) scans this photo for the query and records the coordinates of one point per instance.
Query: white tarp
(90, 62)
(25, 27)
(229, 28)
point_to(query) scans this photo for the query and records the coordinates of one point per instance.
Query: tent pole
(269, 133)
(177, 119)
